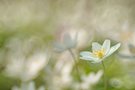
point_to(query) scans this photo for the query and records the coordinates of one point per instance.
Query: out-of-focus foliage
(29, 29)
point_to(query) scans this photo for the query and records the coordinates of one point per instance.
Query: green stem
(72, 54)
(105, 80)
(74, 58)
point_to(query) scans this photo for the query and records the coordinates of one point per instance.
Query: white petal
(88, 56)
(58, 47)
(96, 46)
(73, 41)
(86, 53)
(113, 49)
(92, 59)
(106, 46)
(68, 41)
(67, 37)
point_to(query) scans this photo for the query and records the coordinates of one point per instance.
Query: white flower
(91, 79)
(67, 43)
(127, 53)
(61, 74)
(27, 68)
(99, 52)
(25, 58)
(88, 81)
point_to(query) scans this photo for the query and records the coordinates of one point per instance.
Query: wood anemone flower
(99, 52)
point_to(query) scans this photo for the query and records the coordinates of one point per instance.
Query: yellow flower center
(99, 53)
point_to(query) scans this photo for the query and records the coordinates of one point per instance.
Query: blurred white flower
(67, 42)
(99, 52)
(25, 59)
(84, 37)
(89, 80)
(28, 86)
(61, 74)
(129, 55)
(29, 68)
(127, 52)
(66, 67)
(34, 64)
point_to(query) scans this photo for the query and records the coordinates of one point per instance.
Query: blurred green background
(29, 28)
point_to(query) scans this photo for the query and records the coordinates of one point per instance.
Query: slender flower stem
(74, 58)
(105, 80)
(72, 54)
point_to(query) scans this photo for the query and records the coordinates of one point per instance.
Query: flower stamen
(99, 53)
